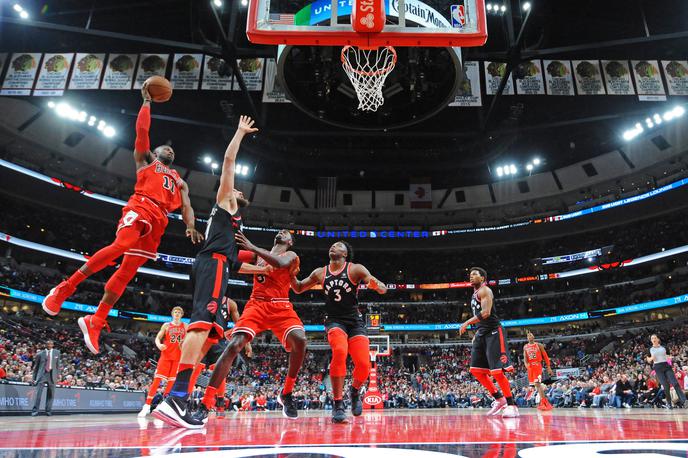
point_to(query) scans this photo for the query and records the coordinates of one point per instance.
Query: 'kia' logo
(373, 399)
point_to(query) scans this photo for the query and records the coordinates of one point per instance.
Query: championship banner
(212, 81)
(272, 90)
(420, 195)
(21, 74)
(648, 81)
(558, 77)
(252, 72)
(87, 71)
(52, 79)
(186, 71)
(150, 65)
(588, 77)
(119, 73)
(469, 94)
(494, 72)
(676, 73)
(618, 77)
(529, 78)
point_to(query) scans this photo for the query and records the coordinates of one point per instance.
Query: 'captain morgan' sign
(415, 11)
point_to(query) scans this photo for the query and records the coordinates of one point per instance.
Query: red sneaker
(52, 303)
(91, 326)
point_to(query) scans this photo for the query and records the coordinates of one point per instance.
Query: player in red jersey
(159, 190)
(169, 342)
(268, 308)
(533, 355)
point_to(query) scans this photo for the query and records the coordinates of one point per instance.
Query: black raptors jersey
(341, 296)
(219, 234)
(489, 324)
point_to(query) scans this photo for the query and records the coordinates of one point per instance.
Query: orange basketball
(159, 88)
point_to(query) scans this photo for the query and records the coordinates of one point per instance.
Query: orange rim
(382, 71)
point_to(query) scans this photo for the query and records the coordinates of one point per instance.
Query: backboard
(380, 345)
(426, 23)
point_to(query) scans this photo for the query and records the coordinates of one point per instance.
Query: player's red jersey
(160, 184)
(272, 286)
(174, 336)
(533, 354)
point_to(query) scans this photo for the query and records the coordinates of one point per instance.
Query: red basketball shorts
(167, 368)
(276, 316)
(142, 210)
(534, 373)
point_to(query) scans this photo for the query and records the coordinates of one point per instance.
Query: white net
(367, 70)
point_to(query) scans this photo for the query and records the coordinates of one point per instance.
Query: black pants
(46, 380)
(667, 378)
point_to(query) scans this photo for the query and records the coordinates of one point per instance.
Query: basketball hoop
(367, 70)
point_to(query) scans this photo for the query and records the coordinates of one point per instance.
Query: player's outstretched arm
(225, 192)
(315, 278)
(252, 269)
(361, 274)
(142, 152)
(188, 215)
(278, 262)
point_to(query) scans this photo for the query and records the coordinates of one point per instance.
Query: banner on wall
(420, 195)
(529, 78)
(469, 94)
(21, 74)
(494, 72)
(119, 72)
(648, 80)
(559, 78)
(150, 65)
(252, 72)
(588, 77)
(618, 77)
(52, 78)
(186, 71)
(87, 71)
(212, 81)
(676, 73)
(272, 90)
(21, 397)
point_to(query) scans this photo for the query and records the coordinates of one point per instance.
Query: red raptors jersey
(174, 336)
(533, 354)
(274, 285)
(160, 184)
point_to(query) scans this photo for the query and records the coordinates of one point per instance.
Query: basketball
(159, 88)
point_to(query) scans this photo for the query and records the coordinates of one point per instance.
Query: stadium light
(653, 121)
(489, 7)
(217, 3)
(207, 159)
(526, 6)
(657, 118)
(529, 167)
(244, 2)
(109, 131)
(18, 8)
(214, 165)
(500, 171)
(241, 169)
(503, 9)
(536, 161)
(23, 15)
(679, 111)
(513, 169)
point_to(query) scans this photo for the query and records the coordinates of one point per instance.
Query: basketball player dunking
(490, 353)
(533, 355)
(159, 190)
(209, 276)
(169, 342)
(346, 330)
(268, 308)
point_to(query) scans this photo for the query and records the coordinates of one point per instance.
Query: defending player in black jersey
(346, 331)
(209, 276)
(490, 353)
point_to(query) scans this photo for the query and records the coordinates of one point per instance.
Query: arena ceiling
(455, 147)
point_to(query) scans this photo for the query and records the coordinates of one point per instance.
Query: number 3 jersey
(341, 295)
(174, 336)
(161, 185)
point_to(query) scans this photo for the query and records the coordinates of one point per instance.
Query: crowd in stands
(613, 371)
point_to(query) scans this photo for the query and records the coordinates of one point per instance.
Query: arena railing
(383, 233)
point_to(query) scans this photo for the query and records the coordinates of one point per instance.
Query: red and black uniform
(269, 307)
(157, 193)
(341, 303)
(534, 357)
(490, 349)
(210, 272)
